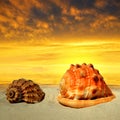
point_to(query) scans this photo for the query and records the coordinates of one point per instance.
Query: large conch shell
(83, 86)
(24, 90)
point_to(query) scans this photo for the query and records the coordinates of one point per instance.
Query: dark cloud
(37, 13)
(54, 9)
(37, 19)
(109, 9)
(2, 2)
(82, 4)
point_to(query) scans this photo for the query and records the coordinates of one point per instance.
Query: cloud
(40, 20)
(105, 22)
(17, 23)
(42, 24)
(82, 4)
(100, 3)
(38, 14)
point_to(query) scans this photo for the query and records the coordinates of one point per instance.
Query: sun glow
(47, 63)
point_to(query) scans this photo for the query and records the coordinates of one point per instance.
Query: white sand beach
(50, 109)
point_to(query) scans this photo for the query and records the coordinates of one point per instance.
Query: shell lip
(83, 103)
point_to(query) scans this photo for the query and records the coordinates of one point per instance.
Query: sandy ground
(50, 109)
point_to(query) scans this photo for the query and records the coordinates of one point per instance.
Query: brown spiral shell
(23, 90)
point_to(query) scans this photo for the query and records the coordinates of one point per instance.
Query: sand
(50, 109)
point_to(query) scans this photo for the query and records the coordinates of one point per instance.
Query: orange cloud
(104, 21)
(42, 24)
(66, 20)
(74, 11)
(3, 19)
(22, 7)
(36, 19)
(2, 28)
(100, 3)
(16, 20)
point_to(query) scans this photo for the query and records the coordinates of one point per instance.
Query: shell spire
(24, 90)
(83, 86)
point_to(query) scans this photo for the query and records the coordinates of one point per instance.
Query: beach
(50, 109)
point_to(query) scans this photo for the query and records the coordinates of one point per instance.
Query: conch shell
(83, 86)
(24, 90)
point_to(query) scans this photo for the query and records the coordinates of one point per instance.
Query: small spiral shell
(24, 90)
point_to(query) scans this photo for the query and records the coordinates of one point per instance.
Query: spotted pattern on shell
(83, 86)
(23, 90)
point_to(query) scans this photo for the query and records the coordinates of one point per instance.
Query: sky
(39, 39)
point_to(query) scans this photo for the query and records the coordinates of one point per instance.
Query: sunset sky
(39, 39)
